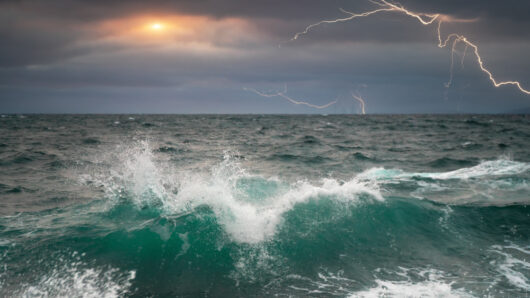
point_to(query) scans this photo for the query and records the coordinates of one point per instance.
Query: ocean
(264, 206)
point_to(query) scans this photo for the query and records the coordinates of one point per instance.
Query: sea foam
(433, 285)
(74, 279)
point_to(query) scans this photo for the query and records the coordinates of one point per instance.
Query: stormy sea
(264, 206)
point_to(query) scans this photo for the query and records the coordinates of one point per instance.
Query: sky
(211, 56)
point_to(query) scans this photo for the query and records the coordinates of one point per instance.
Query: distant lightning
(290, 99)
(361, 102)
(463, 57)
(461, 38)
(424, 19)
(351, 17)
(453, 50)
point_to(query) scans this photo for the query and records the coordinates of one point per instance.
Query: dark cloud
(54, 57)
(88, 11)
(40, 32)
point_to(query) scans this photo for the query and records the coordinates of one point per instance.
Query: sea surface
(264, 206)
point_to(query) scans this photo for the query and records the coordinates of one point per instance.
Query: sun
(157, 26)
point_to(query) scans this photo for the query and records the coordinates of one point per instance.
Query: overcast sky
(105, 56)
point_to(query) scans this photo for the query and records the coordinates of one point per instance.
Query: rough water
(244, 206)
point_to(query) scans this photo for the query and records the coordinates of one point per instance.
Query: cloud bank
(100, 56)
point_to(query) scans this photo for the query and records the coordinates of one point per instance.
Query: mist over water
(227, 206)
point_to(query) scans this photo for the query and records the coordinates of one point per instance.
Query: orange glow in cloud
(177, 29)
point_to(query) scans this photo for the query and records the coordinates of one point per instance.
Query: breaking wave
(250, 207)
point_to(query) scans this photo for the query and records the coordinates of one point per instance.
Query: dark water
(228, 206)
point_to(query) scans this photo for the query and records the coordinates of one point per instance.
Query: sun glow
(166, 31)
(157, 26)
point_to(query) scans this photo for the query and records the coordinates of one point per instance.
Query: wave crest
(249, 207)
(495, 182)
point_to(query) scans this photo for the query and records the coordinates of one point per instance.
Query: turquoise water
(244, 206)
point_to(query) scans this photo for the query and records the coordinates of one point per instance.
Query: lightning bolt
(290, 99)
(351, 17)
(453, 50)
(424, 19)
(361, 102)
(463, 57)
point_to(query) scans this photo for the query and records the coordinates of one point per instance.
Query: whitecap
(495, 182)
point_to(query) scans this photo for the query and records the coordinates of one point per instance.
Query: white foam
(409, 289)
(75, 281)
(434, 285)
(514, 266)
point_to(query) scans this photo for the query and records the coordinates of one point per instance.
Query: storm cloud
(87, 56)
